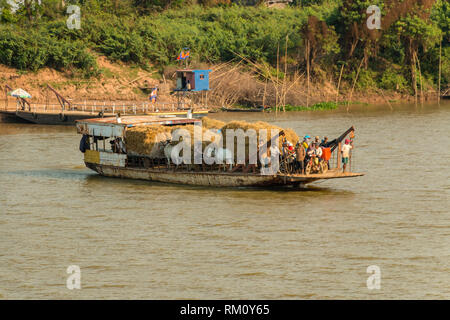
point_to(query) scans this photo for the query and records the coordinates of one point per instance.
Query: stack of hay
(149, 140)
(209, 123)
(289, 134)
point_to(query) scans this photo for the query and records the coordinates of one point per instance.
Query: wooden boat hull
(243, 110)
(10, 116)
(213, 179)
(54, 118)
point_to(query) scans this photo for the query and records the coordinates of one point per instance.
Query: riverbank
(120, 82)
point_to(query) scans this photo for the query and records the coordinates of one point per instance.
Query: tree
(320, 40)
(441, 16)
(30, 9)
(354, 19)
(416, 33)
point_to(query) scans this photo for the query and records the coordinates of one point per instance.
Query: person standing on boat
(317, 140)
(300, 154)
(84, 143)
(346, 153)
(305, 142)
(324, 142)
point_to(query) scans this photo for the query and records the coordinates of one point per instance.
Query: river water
(137, 239)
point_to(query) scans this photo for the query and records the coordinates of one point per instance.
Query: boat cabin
(103, 138)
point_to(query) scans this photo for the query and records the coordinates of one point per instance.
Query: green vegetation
(322, 34)
(35, 49)
(315, 107)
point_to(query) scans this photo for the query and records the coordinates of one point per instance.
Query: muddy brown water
(137, 239)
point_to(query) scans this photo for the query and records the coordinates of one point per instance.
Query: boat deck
(54, 117)
(331, 174)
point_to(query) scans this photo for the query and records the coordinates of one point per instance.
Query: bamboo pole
(415, 78)
(276, 98)
(264, 95)
(6, 98)
(385, 99)
(339, 156)
(420, 79)
(354, 83)
(285, 75)
(307, 72)
(339, 82)
(440, 71)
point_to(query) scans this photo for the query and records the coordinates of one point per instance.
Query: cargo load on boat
(149, 140)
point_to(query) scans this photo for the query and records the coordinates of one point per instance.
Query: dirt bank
(122, 82)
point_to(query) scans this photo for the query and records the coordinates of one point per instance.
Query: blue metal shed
(193, 80)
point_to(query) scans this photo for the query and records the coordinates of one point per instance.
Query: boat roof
(131, 121)
(109, 127)
(194, 70)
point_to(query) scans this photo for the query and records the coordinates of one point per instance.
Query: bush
(35, 49)
(221, 34)
(366, 79)
(392, 80)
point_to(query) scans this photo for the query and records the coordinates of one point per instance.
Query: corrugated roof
(194, 70)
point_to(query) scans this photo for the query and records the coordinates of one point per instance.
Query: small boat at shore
(242, 109)
(69, 117)
(105, 152)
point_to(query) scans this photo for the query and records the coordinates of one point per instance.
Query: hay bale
(190, 129)
(290, 135)
(147, 140)
(209, 123)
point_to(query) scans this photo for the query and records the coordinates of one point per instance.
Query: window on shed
(202, 77)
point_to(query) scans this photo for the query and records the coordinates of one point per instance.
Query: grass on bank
(315, 107)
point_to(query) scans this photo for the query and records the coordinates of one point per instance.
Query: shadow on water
(95, 180)
(62, 174)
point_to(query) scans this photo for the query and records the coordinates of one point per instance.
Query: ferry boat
(96, 144)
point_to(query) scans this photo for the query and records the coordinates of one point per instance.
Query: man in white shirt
(318, 151)
(346, 154)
